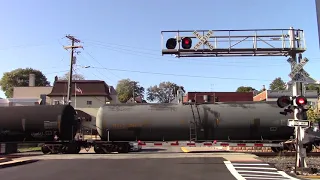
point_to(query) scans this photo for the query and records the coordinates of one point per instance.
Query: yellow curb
(184, 150)
(311, 177)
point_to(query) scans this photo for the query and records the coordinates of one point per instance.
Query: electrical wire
(183, 75)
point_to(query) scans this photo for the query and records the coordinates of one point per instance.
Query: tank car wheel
(98, 150)
(123, 148)
(72, 149)
(45, 149)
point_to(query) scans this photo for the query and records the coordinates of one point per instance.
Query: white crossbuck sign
(297, 70)
(203, 40)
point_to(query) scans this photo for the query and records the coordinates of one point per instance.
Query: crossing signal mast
(252, 42)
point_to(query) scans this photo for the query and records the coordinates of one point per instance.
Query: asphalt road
(132, 169)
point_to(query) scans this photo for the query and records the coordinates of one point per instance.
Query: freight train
(118, 125)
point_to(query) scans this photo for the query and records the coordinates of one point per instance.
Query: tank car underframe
(74, 147)
(61, 147)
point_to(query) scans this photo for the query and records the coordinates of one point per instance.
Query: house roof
(87, 87)
(137, 99)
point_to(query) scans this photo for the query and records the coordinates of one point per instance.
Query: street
(134, 169)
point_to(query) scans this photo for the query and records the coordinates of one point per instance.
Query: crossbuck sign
(297, 73)
(203, 40)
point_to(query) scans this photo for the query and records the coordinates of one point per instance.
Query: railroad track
(272, 154)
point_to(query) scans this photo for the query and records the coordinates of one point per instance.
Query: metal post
(296, 91)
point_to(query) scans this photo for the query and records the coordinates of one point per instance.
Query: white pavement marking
(277, 178)
(250, 164)
(261, 172)
(233, 170)
(238, 170)
(240, 167)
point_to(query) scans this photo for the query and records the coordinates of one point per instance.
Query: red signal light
(186, 43)
(301, 101)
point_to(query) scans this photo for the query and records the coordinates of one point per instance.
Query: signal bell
(284, 101)
(171, 43)
(186, 43)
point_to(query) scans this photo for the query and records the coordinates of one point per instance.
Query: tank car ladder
(194, 123)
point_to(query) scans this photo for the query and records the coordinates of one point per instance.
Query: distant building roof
(85, 87)
(137, 99)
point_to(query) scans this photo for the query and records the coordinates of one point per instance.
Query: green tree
(75, 76)
(125, 90)
(313, 87)
(312, 114)
(245, 89)
(165, 92)
(20, 77)
(277, 84)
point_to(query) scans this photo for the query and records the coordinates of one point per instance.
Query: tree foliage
(277, 85)
(20, 77)
(313, 87)
(75, 76)
(125, 90)
(165, 92)
(312, 115)
(245, 89)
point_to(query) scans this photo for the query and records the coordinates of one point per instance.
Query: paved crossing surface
(256, 171)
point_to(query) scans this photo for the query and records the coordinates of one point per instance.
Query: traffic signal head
(171, 43)
(284, 101)
(301, 101)
(186, 43)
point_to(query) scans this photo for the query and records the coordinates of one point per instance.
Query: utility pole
(72, 47)
(133, 86)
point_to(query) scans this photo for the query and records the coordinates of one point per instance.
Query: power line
(169, 74)
(101, 64)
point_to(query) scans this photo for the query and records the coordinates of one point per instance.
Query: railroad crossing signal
(291, 102)
(297, 73)
(203, 40)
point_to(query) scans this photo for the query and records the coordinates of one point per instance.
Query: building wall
(115, 99)
(32, 92)
(93, 113)
(261, 96)
(81, 101)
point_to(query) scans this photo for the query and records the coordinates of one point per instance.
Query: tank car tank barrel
(223, 121)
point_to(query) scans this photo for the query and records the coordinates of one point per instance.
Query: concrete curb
(15, 163)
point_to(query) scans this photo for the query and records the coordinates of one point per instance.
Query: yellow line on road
(184, 150)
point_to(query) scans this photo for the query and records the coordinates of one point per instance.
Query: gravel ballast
(287, 164)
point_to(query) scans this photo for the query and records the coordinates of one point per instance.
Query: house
(210, 97)
(84, 93)
(32, 91)
(86, 96)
